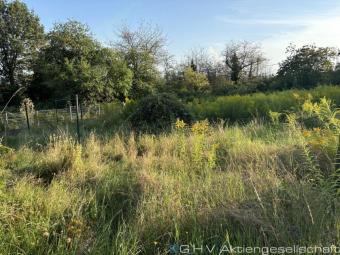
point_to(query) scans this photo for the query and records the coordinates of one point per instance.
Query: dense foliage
(21, 37)
(306, 66)
(157, 113)
(74, 63)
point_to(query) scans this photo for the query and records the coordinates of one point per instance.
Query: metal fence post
(81, 111)
(77, 114)
(70, 111)
(6, 117)
(37, 118)
(6, 125)
(27, 119)
(56, 110)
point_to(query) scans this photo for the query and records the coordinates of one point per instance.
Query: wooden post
(27, 118)
(77, 115)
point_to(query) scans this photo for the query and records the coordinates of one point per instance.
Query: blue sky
(210, 24)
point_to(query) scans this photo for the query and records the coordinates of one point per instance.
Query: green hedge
(246, 107)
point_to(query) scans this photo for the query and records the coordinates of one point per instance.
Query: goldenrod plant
(200, 184)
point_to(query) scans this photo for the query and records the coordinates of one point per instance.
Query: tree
(20, 39)
(74, 63)
(194, 80)
(199, 59)
(143, 50)
(242, 59)
(112, 76)
(193, 66)
(305, 66)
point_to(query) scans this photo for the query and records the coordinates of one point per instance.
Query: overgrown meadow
(124, 148)
(264, 183)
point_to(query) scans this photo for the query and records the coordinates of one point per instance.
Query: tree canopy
(73, 62)
(194, 80)
(242, 59)
(20, 40)
(143, 50)
(304, 66)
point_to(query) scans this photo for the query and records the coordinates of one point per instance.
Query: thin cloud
(323, 33)
(270, 22)
(321, 30)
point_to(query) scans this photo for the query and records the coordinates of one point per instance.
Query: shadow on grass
(289, 215)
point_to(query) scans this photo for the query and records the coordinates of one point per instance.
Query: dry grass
(138, 194)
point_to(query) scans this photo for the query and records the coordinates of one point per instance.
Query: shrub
(157, 112)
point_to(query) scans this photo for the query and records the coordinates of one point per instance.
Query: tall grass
(128, 194)
(246, 107)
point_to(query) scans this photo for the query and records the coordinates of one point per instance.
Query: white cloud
(214, 52)
(323, 32)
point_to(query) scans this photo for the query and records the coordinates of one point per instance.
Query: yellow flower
(306, 133)
(308, 107)
(180, 124)
(317, 129)
(200, 127)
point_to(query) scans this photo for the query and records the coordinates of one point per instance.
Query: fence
(12, 122)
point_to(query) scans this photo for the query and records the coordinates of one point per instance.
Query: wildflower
(155, 242)
(180, 124)
(46, 234)
(308, 107)
(321, 141)
(200, 127)
(306, 133)
(317, 129)
(69, 240)
(318, 142)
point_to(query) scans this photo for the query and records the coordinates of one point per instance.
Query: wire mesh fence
(67, 113)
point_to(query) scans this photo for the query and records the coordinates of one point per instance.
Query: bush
(157, 112)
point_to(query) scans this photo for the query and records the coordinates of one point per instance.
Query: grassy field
(217, 186)
(253, 185)
(240, 108)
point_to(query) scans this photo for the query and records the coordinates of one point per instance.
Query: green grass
(126, 194)
(246, 107)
